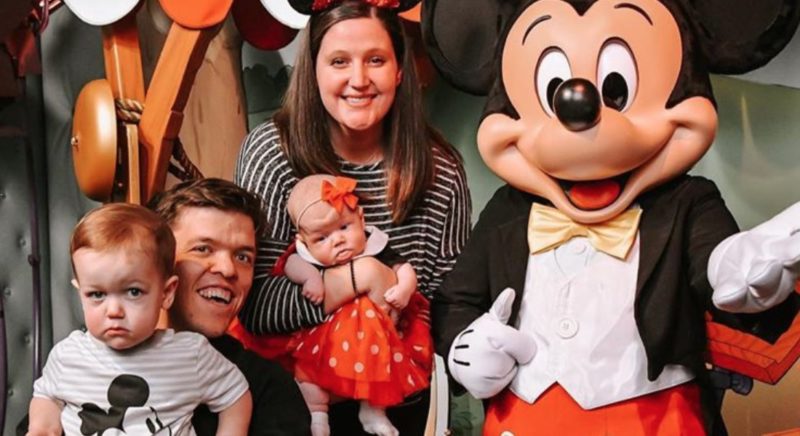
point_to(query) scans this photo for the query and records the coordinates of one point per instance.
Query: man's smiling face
(215, 250)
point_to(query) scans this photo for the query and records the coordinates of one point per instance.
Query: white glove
(755, 270)
(484, 357)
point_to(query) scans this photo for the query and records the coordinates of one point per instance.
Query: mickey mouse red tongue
(595, 194)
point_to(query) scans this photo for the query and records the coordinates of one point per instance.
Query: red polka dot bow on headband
(319, 5)
(314, 6)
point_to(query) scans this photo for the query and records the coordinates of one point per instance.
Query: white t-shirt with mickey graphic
(153, 388)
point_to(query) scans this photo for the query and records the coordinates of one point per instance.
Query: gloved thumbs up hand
(485, 356)
(757, 269)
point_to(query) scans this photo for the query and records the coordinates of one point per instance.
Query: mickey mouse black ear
(742, 35)
(461, 38)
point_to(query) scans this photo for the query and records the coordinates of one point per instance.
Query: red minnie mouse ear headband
(315, 6)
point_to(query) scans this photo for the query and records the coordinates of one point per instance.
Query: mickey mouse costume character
(613, 255)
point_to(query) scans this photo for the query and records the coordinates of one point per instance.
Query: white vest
(578, 305)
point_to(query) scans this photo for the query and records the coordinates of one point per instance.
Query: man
(216, 224)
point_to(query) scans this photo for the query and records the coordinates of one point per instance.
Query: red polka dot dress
(359, 353)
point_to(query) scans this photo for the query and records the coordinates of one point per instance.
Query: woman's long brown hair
(409, 140)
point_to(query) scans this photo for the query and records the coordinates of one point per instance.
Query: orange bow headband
(338, 194)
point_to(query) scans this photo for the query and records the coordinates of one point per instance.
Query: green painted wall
(755, 159)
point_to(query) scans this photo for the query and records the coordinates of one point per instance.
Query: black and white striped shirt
(430, 238)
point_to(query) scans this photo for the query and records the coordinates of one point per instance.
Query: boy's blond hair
(123, 226)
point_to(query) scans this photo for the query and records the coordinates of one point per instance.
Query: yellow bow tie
(548, 228)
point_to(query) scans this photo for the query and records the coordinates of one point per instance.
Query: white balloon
(100, 12)
(285, 13)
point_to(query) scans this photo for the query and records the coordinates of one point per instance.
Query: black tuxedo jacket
(682, 221)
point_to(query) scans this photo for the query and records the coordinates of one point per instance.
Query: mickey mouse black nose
(577, 104)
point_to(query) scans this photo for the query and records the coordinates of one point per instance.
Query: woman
(354, 108)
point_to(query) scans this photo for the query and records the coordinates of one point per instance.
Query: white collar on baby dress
(376, 242)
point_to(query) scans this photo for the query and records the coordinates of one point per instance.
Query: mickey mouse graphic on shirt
(125, 391)
(614, 256)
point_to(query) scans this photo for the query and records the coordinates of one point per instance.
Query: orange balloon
(197, 14)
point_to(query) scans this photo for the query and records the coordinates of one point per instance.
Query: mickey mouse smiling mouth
(594, 194)
(590, 127)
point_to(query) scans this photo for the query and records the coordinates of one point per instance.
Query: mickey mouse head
(594, 102)
(124, 392)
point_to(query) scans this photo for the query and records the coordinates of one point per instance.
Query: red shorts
(671, 412)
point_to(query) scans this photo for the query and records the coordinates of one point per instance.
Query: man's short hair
(211, 192)
(124, 226)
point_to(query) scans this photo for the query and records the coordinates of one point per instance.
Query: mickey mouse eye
(617, 75)
(552, 70)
